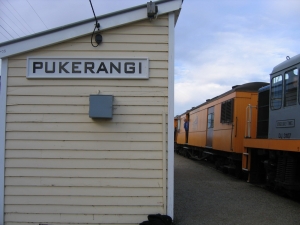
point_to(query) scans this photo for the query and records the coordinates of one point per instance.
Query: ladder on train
(246, 152)
(246, 161)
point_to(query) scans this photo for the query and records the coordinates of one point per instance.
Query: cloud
(192, 94)
(234, 58)
(284, 8)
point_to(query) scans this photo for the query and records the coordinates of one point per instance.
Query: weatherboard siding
(63, 167)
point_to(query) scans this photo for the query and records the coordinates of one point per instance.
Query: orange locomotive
(217, 127)
(253, 129)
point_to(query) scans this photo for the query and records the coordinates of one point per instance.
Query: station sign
(88, 68)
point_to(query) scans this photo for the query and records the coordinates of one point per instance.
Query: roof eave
(83, 28)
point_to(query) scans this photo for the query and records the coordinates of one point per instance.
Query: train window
(290, 87)
(276, 92)
(178, 124)
(210, 120)
(227, 111)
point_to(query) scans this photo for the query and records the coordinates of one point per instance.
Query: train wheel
(224, 169)
(238, 172)
(218, 164)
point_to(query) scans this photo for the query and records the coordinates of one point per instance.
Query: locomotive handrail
(249, 120)
(236, 121)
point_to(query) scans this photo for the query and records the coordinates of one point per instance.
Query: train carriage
(217, 127)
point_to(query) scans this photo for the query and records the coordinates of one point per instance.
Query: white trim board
(4, 71)
(170, 200)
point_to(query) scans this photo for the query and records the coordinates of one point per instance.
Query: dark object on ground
(157, 219)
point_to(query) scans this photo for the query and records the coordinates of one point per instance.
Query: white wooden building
(58, 165)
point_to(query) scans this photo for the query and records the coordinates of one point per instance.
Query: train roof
(287, 63)
(265, 88)
(247, 87)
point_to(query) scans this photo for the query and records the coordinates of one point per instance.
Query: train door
(186, 127)
(175, 129)
(210, 127)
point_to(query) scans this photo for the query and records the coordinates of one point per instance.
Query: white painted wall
(63, 167)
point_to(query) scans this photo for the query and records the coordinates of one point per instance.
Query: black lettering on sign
(102, 67)
(118, 69)
(50, 71)
(89, 66)
(75, 67)
(140, 67)
(130, 69)
(99, 68)
(61, 67)
(37, 65)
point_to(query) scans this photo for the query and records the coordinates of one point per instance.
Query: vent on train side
(288, 171)
(263, 113)
(227, 111)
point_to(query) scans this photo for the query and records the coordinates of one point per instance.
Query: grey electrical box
(101, 106)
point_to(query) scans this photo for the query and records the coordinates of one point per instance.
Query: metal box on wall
(101, 106)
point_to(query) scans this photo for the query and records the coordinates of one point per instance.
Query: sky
(218, 44)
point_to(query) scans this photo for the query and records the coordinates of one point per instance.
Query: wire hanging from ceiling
(98, 37)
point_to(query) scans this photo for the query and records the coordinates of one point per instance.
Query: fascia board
(67, 33)
(170, 201)
(4, 71)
